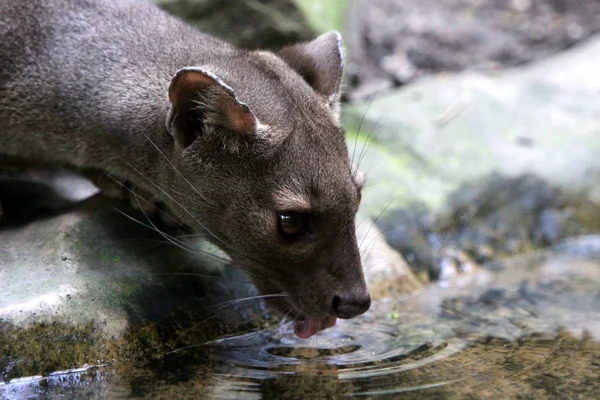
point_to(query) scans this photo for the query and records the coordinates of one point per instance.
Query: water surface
(529, 328)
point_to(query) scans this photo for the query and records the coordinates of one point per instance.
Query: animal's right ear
(200, 100)
(319, 62)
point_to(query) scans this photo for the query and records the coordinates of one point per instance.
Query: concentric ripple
(354, 351)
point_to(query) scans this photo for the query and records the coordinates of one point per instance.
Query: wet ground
(527, 328)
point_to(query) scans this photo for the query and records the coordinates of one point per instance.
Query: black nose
(345, 307)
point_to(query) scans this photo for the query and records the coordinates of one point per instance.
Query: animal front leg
(123, 190)
(119, 189)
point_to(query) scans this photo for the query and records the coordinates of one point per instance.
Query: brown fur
(225, 138)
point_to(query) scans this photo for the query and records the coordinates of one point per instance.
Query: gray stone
(429, 138)
(253, 23)
(450, 149)
(386, 271)
(399, 41)
(91, 263)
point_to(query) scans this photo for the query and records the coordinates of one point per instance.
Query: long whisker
(236, 301)
(367, 248)
(183, 332)
(194, 218)
(176, 202)
(247, 255)
(178, 172)
(147, 201)
(196, 252)
(376, 219)
(371, 138)
(371, 185)
(203, 276)
(191, 346)
(360, 124)
(221, 306)
(168, 237)
(278, 331)
(283, 319)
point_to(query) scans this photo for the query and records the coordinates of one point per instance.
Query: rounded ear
(320, 62)
(198, 99)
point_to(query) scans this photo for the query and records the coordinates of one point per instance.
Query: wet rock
(400, 41)
(84, 286)
(487, 220)
(386, 271)
(513, 215)
(27, 193)
(252, 24)
(448, 169)
(93, 264)
(539, 291)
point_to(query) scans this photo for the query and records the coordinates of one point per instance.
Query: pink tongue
(308, 327)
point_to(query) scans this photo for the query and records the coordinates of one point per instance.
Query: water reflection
(358, 357)
(358, 348)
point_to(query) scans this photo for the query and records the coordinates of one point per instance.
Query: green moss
(44, 348)
(324, 15)
(391, 174)
(586, 215)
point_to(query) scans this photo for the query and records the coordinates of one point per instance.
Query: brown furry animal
(242, 146)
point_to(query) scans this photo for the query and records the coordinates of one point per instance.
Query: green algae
(45, 348)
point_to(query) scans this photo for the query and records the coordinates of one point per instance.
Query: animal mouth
(305, 327)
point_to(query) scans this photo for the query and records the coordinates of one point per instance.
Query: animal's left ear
(319, 62)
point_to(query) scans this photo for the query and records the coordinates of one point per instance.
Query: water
(356, 358)
(531, 329)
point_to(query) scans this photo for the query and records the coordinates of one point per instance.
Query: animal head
(268, 177)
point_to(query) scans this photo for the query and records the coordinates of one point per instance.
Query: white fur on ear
(340, 46)
(334, 99)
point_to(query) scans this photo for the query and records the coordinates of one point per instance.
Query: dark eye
(290, 224)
